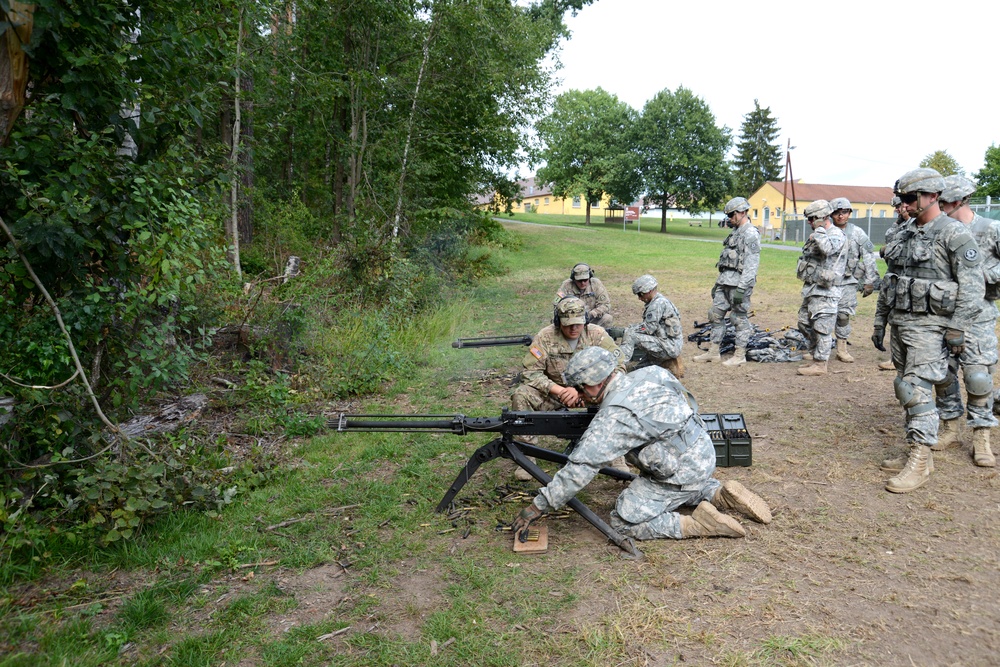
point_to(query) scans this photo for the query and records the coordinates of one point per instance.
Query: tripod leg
(487, 452)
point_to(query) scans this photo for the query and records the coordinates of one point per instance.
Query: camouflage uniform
(888, 280)
(860, 264)
(938, 286)
(659, 335)
(596, 298)
(650, 418)
(546, 361)
(738, 264)
(820, 268)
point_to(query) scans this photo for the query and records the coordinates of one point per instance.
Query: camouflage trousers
(979, 356)
(603, 321)
(918, 350)
(846, 308)
(645, 510)
(722, 303)
(656, 349)
(817, 317)
(527, 398)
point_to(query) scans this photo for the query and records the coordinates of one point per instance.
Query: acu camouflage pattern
(650, 418)
(595, 297)
(860, 264)
(546, 360)
(738, 264)
(659, 334)
(820, 268)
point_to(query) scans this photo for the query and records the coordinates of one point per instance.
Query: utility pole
(788, 177)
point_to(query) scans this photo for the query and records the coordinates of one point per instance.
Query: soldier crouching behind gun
(651, 419)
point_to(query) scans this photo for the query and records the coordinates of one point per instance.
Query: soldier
(542, 385)
(820, 268)
(860, 264)
(583, 285)
(881, 309)
(935, 298)
(979, 358)
(658, 336)
(737, 265)
(649, 417)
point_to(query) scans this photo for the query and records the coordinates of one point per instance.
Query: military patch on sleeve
(869, 247)
(753, 245)
(969, 253)
(535, 352)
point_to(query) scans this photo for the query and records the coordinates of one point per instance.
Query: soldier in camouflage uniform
(738, 264)
(936, 296)
(542, 385)
(583, 285)
(881, 308)
(820, 268)
(860, 264)
(659, 335)
(649, 417)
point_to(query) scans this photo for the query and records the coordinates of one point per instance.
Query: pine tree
(758, 156)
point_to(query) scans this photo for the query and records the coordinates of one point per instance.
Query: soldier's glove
(878, 338)
(955, 340)
(867, 291)
(616, 332)
(523, 520)
(738, 295)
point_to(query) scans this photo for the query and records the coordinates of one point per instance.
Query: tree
(758, 157)
(988, 177)
(586, 153)
(944, 163)
(682, 153)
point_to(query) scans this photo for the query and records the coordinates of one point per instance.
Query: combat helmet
(736, 204)
(841, 203)
(818, 209)
(644, 283)
(957, 188)
(919, 180)
(895, 201)
(589, 366)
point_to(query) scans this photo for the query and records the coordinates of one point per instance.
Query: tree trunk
(14, 65)
(409, 133)
(232, 223)
(663, 215)
(245, 159)
(588, 210)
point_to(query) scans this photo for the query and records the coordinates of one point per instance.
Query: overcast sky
(861, 100)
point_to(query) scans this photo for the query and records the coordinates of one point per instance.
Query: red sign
(631, 213)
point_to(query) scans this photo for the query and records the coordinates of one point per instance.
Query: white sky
(826, 70)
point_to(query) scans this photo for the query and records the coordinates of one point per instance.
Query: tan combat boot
(675, 366)
(898, 463)
(807, 355)
(522, 475)
(886, 365)
(981, 452)
(620, 464)
(842, 353)
(706, 521)
(816, 368)
(949, 434)
(915, 473)
(711, 355)
(738, 359)
(734, 496)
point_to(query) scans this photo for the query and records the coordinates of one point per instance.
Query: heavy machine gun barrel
(493, 341)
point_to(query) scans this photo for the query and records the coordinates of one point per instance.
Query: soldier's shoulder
(546, 335)
(566, 287)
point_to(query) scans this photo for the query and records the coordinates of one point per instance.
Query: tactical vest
(810, 267)
(980, 229)
(731, 258)
(924, 285)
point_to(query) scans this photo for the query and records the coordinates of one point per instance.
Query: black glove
(523, 520)
(616, 332)
(878, 338)
(867, 290)
(738, 295)
(955, 340)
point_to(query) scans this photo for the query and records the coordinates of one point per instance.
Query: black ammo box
(731, 439)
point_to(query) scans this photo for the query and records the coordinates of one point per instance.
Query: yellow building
(539, 199)
(766, 203)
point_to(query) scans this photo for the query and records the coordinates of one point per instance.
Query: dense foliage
(758, 156)
(944, 163)
(988, 177)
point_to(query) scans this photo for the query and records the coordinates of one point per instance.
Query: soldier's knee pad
(715, 316)
(843, 319)
(978, 382)
(910, 396)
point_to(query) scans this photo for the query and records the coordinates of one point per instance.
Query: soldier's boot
(738, 359)
(734, 496)
(949, 434)
(711, 355)
(807, 356)
(982, 454)
(620, 464)
(675, 366)
(887, 366)
(842, 353)
(915, 473)
(706, 521)
(898, 463)
(816, 368)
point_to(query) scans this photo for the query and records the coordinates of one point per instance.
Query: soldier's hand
(867, 291)
(738, 295)
(568, 396)
(878, 338)
(524, 519)
(955, 340)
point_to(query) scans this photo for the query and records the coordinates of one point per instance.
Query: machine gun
(494, 341)
(566, 424)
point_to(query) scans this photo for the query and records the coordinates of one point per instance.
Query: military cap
(571, 310)
(582, 272)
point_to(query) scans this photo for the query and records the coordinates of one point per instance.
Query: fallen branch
(330, 635)
(263, 563)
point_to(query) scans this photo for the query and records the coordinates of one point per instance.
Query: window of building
(527, 207)
(536, 203)
(881, 213)
(576, 202)
(546, 201)
(597, 204)
(531, 189)
(755, 214)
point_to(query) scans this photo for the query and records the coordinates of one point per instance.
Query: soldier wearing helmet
(881, 307)
(935, 298)
(542, 386)
(651, 419)
(738, 263)
(979, 357)
(583, 285)
(860, 265)
(659, 336)
(820, 268)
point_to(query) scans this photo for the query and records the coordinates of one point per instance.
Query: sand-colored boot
(711, 355)
(886, 365)
(897, 463)
(706, 521)
(915, 473)
(949, 434)
(734, 496)
(807, 356)
(738, 359)
(522, 475)
(816, 368)
(982, 454)
(842, 353)
(675, 366)
(620, 464)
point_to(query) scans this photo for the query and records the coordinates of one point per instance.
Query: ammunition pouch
(811, 272)
(730, 259)
(921, 296)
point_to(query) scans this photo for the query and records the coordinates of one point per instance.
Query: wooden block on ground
(539, 546)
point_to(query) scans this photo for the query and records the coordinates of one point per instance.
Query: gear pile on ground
(765, 346)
